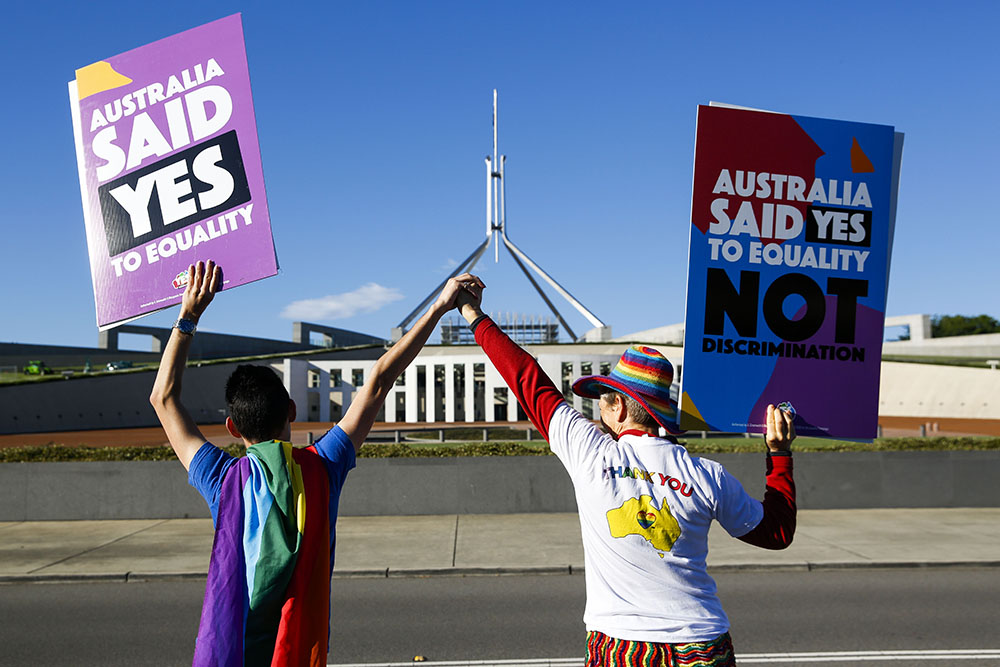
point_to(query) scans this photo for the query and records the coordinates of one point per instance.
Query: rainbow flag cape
(267, 600)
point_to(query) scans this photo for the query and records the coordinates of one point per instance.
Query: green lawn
(712, 443)
(57, 452)
(59, 373)
(6, 377)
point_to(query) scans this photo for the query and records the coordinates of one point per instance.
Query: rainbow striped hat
(645, 375)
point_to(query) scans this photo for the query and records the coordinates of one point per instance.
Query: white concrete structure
(919, 325)
(671, 334)
(457, 383)
(445, 383)
(925, 390)
(980, 345)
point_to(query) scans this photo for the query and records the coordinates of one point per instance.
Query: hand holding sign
(780, 429)
(203, 282)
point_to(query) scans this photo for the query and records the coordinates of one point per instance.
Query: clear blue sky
(374, 118)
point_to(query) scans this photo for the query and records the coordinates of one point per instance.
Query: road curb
(484, 571)
(848, 565)
(100, 577)
(402, 572)
(387, 573)
(141, 577)
(900, 565)
(103, 577)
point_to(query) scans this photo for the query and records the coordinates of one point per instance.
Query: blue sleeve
(338, 454)
(208, 468)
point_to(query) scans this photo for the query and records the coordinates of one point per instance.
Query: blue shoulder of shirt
(338, 454)
(210, 464)
(206, 472)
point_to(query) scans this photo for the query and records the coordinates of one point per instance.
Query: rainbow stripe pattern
(267, 598)
(605, 651)
(645, 375)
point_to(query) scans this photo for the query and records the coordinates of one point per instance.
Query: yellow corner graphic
(640, 516)
(97, 78)
(691, 419)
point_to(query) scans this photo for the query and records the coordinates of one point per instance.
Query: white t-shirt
(645, 509)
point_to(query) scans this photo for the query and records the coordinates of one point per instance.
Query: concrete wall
(332, 336)
(918, 326)
(206, 345)
(121, 400)
(981, 345)
(19, 354)
(671, 334)
(107, 401)
(75, 491)
(495, 485)
(928, 391)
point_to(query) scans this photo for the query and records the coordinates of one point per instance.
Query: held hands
(780, 429)
(470, 299)
(203, 282)
(460, 291)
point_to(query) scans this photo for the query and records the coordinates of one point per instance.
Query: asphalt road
(479, 618)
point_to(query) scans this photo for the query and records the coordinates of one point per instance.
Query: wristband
(783, 452)
(475, 322)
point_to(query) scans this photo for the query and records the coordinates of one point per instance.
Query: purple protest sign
(170, 171)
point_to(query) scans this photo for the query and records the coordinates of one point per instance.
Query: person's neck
(636, 429)
(248, 444)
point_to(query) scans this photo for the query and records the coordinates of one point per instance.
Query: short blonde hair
(634, 408)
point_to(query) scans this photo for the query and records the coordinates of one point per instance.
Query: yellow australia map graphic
(640, 516)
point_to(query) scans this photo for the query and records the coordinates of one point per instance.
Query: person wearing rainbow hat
(645, 505)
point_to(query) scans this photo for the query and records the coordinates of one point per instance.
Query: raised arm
(361, 415)
(533, 389)
(182, 432)
(777, 527)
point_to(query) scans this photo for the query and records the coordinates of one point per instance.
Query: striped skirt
(604, 651)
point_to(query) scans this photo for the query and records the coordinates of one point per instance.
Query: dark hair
(257, 401)
(636, 412)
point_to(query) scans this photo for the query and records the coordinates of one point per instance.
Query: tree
(963, 325)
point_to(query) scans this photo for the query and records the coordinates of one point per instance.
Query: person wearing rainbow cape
(645, 505)
(267, 599)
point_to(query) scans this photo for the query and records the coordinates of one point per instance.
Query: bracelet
(783, 452)
(475, 322)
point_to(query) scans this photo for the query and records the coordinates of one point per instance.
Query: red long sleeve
(533, 389)
(777, 528)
